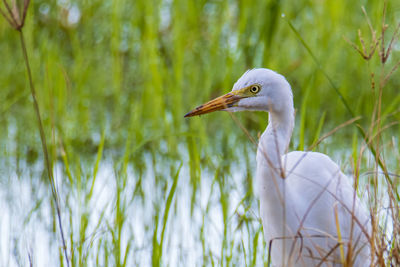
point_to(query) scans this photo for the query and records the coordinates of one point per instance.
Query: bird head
(257, 89)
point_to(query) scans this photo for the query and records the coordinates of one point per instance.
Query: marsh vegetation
(128, 180)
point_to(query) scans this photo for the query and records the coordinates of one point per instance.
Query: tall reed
(16, 18)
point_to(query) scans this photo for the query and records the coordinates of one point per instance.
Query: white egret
(311, 214)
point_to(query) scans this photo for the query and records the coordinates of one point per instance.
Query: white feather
(301, 193)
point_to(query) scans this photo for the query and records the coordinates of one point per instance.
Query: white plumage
(310, 212)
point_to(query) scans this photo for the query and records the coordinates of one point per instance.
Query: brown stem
(15, 22)
(9, 20)
(44, 144)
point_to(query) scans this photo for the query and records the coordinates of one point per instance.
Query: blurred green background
(114, 79)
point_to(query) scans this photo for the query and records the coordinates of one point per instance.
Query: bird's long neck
(275, 140)
(271, 176)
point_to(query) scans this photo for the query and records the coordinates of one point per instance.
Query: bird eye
(255, 89)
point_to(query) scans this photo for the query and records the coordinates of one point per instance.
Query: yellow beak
(222, 102)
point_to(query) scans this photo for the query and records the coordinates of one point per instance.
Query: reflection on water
(215, 221)
(29, 231)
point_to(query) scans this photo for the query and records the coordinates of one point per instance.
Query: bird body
(299, 211)
(311, 214)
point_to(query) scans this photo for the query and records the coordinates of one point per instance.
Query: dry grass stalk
(12, 13)
(16, 19)
(384, 249)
